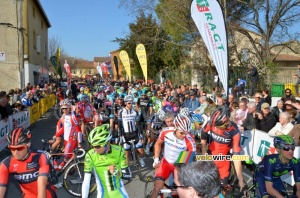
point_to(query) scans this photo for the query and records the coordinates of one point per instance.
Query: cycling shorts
(260, 182)
(224, 170)
(164, 170)
(138, 143)
(70, 146)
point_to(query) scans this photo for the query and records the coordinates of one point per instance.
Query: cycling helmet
(220, 116)
(18, 136)
(185, 111)
(84, 98)
(122, 88)
(144, 92)
(65, 102)
(100, 135)
(128, 98)
(182, 122)
(149, 94)
(134, 92)
(161, 114)
(282, 140)
(197, 118)
(81, 88)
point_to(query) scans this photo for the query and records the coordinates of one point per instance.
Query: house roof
(287, 58)
(83, 64)
(39, 5)
(100, 59)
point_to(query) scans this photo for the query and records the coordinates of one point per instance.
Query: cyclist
(87, 113)
(224, 135)
(68, 130)
(31, 169)
(154, 125)
(127, 122)
(81, 93)
(196, 125)
(269, 170)
(145, 105)
(107, 162)
(175, 140)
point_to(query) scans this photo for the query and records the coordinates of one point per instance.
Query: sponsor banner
(20, 119)
(141, 54)
(34, 112)
(126, 62)
(261, 144)
(208, 18)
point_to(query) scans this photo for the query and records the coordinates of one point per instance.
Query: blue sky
(86, 28)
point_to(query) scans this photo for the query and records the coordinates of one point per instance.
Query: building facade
(23, 43)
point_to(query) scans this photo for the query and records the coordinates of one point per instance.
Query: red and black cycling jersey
(222, 140)
(26, 173)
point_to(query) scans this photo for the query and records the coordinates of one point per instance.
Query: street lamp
(9, 25)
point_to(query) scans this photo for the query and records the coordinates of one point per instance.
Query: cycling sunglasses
(287, 148)
(17, 148)
(129, 103)
(97, 147)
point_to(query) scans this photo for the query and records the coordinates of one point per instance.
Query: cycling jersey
(173, 146)
(145, 105)
(68, 126)
(156, 123)
(87, 112)
(220, 142)
(26, 172)
(128, 119)
(157, 103)
(107, 184)
(271, 168)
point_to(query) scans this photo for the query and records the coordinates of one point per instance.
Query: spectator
(193, 102)
(293, 116)
(27, 100)
(17, 96)
(297, 76)
(4, 110)
(278, 109)
(249, 123)
(162, 76)
(234, 107)
(203, 105)
(283, 127)
(265, 120)
(195, 89)
(216, 80)
(241, 85)
(254, 77)
(214, 94)
(241, 113)
(266, 96)
(23, 94)
(211, 106)
(18, 107)
(288, 96)
(198, 179)
(258, 100)
(186, 99)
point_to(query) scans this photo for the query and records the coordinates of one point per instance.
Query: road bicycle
(167, 191)
(135, 157)
(72, 172)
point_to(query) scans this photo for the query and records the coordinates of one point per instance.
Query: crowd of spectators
(16, 100)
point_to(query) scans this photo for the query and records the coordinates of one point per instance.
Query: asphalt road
(45, 129)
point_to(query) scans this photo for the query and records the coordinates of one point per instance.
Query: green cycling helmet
(100, 135)
(282, 140)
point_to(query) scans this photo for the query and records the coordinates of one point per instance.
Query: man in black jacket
(265, 120)
(254, 77)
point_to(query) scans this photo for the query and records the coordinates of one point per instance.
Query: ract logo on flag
(202, 5)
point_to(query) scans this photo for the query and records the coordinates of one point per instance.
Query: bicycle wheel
(73, 179)
(149, 185)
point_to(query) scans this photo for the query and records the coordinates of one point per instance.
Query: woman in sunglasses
(269, 170)
(31, 169)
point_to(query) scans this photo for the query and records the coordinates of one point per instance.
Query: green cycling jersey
(110, 184)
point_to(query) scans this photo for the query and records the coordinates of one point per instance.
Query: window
(80, 71)
(74, 71)
(34, 39)
(90, 71)
(38, 43)
(33, 11)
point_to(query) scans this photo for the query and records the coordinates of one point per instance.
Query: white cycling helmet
(128, 98)
(185, 111)
(65, 102)
(161, 114)
(182, 123)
